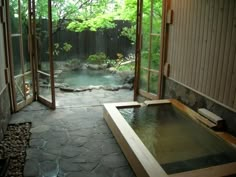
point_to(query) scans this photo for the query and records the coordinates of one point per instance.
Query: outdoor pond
(84, 78)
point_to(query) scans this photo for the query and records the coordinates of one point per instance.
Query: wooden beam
(125, 104)
(156, 102)
(227, 137)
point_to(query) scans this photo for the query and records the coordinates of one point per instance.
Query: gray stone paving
(74, 140)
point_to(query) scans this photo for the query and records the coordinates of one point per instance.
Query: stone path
(74, 140)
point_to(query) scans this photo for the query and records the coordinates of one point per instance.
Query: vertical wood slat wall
(202, 47)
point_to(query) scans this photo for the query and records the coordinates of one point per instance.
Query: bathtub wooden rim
(141, 160)
(139, 157)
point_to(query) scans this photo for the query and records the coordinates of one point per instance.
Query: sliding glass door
(149, 20)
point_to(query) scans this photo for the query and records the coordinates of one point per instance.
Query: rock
(67, 89)
(58, 85)
(127, 86)
(129, 79)
(93, 66)
(97, 67)
(112, 69)
(82, 89)
(103, 66)
(97, 87)
(111, 88)
(84, 66)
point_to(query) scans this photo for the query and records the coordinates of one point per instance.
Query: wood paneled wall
(202, 47)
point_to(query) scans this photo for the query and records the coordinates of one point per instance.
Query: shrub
(98, 58)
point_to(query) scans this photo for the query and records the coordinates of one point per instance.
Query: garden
(93, 42)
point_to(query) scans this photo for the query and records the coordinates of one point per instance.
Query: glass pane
(45, 86)
(145, 34)
(144, 58)
(157, 17)
(25, 33)
(155, 52)
(42, 40)
(143, 80)
(14, 15)
(16, 55)
(153, 83)
(19, 87)
(43, 50)
(43, 57)
(28, 85)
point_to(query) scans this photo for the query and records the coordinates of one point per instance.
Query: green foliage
(130, 33)
(120, 66)
(111, 63)
(97, 16)
(98, 58)
(101, 21)
(127, 67)
(65, 48)
(129, 13)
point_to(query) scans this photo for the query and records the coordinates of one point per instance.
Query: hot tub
(166, 138)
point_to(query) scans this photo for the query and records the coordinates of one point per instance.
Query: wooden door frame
(14, 105)
(42, 99)
(33, 54)
(163, 49)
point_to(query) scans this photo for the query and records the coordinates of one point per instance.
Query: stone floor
(74, 140)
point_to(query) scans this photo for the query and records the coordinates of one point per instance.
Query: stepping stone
(31, 168)
(114, 160)
(40, 129)
(67, 165)
(71, 151)
(49, 168)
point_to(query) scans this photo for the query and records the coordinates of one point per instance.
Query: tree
(97, 16)
(129, 13)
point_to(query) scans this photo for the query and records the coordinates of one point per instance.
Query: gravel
(13, 146)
